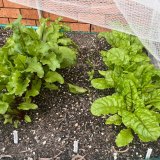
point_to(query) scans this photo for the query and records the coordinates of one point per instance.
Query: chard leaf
(3, 107)
(51, 86)
(109, 77)
(140, 58)
(115, 56)
(27, 106)
(107, 105)
(124, 137)
(76, 89)
(51, 61)
(35, 67)
(115, 119)
(52, 77)
(143, 122)
(130, 94)
(100, 83)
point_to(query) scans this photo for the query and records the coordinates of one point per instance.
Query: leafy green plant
(76, 89)
(136, 101)
(28, 60)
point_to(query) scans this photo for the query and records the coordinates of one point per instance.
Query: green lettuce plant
(136, 101)
(28, 60)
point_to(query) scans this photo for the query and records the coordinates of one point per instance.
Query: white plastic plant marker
(115, 155)
(15, 137)
(75, 147)
(149, 152)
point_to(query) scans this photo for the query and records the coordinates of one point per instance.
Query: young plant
(28, 60)
(136, 101)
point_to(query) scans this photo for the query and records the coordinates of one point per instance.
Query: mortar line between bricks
(3, 3)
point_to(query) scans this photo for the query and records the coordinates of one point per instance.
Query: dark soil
(63, 117)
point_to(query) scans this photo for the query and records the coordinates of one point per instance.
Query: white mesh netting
(137, 17)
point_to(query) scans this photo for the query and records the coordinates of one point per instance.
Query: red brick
(1, 3)
(12, 5)
(8, 12)
(99, 29)
(26, 22)
(4, 21)
(54, 17)
(29, 13)
(79, 26)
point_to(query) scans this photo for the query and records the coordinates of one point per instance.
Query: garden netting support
(137, 17)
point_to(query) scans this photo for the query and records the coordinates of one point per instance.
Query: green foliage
(124, 137)
(136, 101)
(76, 89)
(28, 60)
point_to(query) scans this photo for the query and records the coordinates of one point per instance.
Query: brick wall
(9, 12)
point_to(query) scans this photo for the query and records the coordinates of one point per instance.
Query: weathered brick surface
(1, 3)
(27, 22)
(10, 11)
(98, 29)
(79, 26)
(4, 20)
(29, 13)
(54, 17)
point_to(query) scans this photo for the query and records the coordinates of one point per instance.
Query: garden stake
(149, 152)
(75, 145)
(15, 136)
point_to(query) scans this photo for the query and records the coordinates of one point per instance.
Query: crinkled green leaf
(124, 138)
(31, 32)
(20, 62)
(51, 61)
(115, 56)
(122, 40)
(115, 119)
(130, 94)
(143, 122)
(35, 67)
(3, 107)
(65, 41)
(9, 98)
(27, 106)
(108, 76)
(35, 88)
(76, 89)
(52, 77)
(18, 83)
(107, 105)
(100, 83)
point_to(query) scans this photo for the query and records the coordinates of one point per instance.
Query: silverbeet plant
(136, 102)
(28, 60)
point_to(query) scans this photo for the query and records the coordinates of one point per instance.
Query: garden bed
(64, 117)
